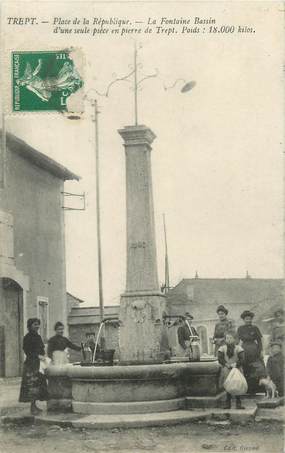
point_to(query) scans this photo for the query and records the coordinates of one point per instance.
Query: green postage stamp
(43, 80)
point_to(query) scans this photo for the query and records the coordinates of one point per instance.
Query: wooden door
(10, 314)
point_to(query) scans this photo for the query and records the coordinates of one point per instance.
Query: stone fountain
(142, 305)
(142, 381)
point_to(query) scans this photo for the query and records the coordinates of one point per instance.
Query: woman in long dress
(251, 338)
(223, 326)
(34, 385)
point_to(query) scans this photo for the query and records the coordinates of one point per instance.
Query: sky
(217, 160)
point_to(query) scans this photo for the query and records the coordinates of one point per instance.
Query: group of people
(242, 348)
(234, 348)
(34, 384)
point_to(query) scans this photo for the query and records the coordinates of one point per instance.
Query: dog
(270, 387)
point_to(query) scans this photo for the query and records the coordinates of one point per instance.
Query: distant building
(32, 248)
(72, 302)
(200, 297)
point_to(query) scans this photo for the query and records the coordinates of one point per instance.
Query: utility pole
(136, 85)
(98, 213)
(166, 263)
(3, 153)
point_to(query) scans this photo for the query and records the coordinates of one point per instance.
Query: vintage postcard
(142, 226)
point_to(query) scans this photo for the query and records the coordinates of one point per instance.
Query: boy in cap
(275, 366)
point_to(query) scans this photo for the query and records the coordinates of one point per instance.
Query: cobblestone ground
(214, 436)
(194, 438)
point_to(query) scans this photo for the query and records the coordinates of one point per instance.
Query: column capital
(137, 135)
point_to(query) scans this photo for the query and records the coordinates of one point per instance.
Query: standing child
(275, 366)
(231, 355)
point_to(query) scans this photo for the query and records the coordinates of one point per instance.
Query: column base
(141, 334)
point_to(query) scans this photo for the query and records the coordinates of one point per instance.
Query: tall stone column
(142, 304)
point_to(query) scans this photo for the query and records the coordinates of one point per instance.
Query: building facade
(202, 296)
(32, 248)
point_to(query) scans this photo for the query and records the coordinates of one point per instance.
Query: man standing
(188, 338)
(278, 329)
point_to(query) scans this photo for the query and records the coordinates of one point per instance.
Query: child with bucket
(231, 357)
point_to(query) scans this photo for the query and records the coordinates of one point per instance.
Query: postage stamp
(43, 80)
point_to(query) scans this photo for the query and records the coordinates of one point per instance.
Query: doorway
(11, 327)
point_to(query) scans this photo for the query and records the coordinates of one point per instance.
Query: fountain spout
(102, 323)
(97, 339)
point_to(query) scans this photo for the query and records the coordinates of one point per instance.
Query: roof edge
(232, 278)
(39, 159)
(81, 301)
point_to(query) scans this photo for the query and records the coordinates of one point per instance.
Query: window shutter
(6, 237)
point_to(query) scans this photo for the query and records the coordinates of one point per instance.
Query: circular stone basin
(125, 389)
(123, 385)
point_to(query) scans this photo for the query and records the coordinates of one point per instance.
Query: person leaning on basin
(58, 344)
(223, 326)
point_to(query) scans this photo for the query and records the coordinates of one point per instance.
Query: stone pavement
(9, 395)
(270, 415)
(18, 413)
